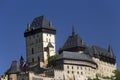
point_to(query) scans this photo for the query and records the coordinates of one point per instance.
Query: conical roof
(111, 52)
(14, 67)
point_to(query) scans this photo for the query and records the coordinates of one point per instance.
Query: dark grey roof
(37, 69)
(74, 41)
(50, 45)
(14, 67)
(101, 51)
(41, 22)
(75, 56)
(89, 51)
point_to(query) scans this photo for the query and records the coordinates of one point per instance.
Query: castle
(75, 60)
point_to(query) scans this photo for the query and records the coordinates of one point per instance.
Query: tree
(94, 78)
(51, 60)
(89, 79)
(117, 75)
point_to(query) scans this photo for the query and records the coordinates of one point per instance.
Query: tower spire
(111, 52)
(73, 32)
(110, 49)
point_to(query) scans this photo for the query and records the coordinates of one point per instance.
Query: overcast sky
(96, 21)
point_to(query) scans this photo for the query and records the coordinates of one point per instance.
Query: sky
(96, 21)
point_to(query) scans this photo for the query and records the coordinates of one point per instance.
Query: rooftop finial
(110, 49)
(28, 27)
(50, 24)
(73, 32)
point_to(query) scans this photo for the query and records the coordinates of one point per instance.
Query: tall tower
(40, 41)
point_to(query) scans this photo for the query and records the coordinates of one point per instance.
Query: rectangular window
(68, 67)
(36, 41)
(77, 67)
(29, 37)
(37, 35)
(77, 72)
(32, 50)
(68, 72)
(81, 68)
(38, 58)
(72, 67)
(72, 72)
(33, 60)
(39, 40)
(81, 73)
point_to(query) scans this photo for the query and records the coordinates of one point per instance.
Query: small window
(77, 72)
(81, 68)
(36, 40)
(37, 35)
(32, 59)
(77, 67)
(68, 72)
(32, 50)
(81, 73)
(29, 37)
(38, 58)
(68, 67)
(72, 67)
(72, 72)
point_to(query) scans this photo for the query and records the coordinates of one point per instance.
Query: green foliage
(51, 60)
(89, 79)
(106, 77)
(117, 74)
(94, 78)
(115, 77)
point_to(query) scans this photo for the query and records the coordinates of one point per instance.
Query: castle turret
(73, 43)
